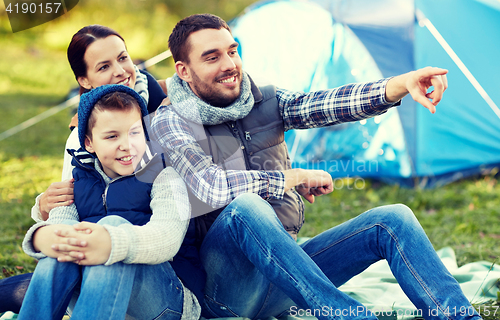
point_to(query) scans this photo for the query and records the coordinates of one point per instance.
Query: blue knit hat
(90, 98)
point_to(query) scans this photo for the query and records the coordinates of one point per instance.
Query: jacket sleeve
(160, 239)
(351, 102)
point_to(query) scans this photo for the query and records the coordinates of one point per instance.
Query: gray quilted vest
(256, 142)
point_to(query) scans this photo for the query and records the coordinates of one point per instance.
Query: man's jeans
(104, 292)
(251, 262)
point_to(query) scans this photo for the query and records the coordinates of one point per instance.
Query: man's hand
(308, 183)
(416, 83)
(310, 193)
(58, 194)
(87, 244)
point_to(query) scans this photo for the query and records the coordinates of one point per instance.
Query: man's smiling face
(214, 70)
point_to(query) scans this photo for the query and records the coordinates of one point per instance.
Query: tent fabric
(320, 44)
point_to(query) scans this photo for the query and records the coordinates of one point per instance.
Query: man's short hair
(177, 42)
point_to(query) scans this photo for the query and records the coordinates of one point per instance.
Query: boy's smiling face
(118, 141)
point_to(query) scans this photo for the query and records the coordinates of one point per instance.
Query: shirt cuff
(35, 210)
(28, 241)
(276, 185)
(381, 94)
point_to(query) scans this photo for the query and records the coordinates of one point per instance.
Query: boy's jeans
(247, 249)
(105, 292)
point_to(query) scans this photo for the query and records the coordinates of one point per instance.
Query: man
(225, 136)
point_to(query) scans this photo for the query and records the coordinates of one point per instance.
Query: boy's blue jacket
(126, 196)
(129, 197)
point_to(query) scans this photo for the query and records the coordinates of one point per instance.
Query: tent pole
(423, 21)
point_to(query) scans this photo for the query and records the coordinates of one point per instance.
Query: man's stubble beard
(211, 96)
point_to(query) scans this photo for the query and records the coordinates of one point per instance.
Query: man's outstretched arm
(358, 101)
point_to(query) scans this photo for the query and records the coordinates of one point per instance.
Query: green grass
(20, 181)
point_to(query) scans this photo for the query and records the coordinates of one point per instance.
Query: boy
(136, 216)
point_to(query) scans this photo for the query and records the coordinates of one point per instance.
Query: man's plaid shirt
(218, 187)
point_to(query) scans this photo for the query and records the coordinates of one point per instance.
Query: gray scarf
(190, 107)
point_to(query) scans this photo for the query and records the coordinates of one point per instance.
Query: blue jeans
(104, 292)
(256, 270)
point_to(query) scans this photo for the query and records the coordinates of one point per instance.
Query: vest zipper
(236, 134)
(105, 194)
(247, 136)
